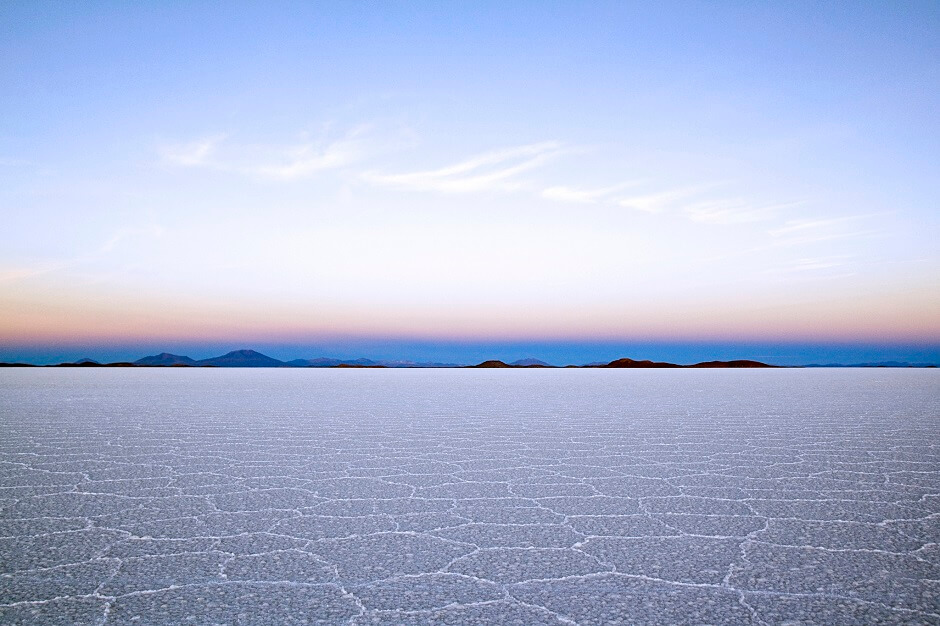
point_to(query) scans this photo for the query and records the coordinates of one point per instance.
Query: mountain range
(874, 364)
(631, 364)
(252, 358)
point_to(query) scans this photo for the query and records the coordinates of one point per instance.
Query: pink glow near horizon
(78, 322)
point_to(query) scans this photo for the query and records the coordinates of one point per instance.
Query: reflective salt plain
(166, 496)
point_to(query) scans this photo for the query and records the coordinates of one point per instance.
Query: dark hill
(90, 363)
(741, 363)
(491, 364)
(241, 358)
(638, 364)
(165, 359)
(630, 363)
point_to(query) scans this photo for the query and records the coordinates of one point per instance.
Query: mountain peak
(165, 359)
(529, 362)
(242, 358)
(630, 363)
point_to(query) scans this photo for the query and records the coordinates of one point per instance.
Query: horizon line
(178, 360)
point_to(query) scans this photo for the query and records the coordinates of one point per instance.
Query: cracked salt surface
(468, 496)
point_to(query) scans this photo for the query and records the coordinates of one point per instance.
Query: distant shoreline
(253, 359)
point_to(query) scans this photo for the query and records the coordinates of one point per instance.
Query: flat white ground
(468, 496)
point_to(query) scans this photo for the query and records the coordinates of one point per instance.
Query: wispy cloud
(13, 274)
(807, 225)
(822, 237)
(584, 196)
(198, 153)
(733, 211)
(816, 268)
(659, 201)
(280, 162)
(150, 230)
(18, 273)
(817, 263)
(306, 159)
(491, 171)
(818, 230)
(683, 200)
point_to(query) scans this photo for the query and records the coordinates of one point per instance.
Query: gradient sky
(367, 178)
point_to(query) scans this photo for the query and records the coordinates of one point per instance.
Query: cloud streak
(491, 171)
(659, 201)
(584, 196)
(198, 153)
(800, 226)
(16, 274)
(307, 159)
(284, 162)
(733, 211)
(807, 231)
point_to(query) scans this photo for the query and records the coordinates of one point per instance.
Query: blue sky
(359, 176)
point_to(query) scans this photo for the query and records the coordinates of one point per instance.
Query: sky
(569, 180)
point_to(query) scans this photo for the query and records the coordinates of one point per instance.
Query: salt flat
(154, 496)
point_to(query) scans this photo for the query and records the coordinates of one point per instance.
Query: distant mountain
(93, 363)
(741, 363)
(361, 362)
(165, 359)
(530, 362)
(252, 358)
(885, 364)
(630, 363)
(404, 363)
(241, 358)
(82, 363)
(319, 362)
(874, 364)
(325, 362)
(624, 363)
(313, 362)
(524, 363)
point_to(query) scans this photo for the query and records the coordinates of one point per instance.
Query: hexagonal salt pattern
(464, 496)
